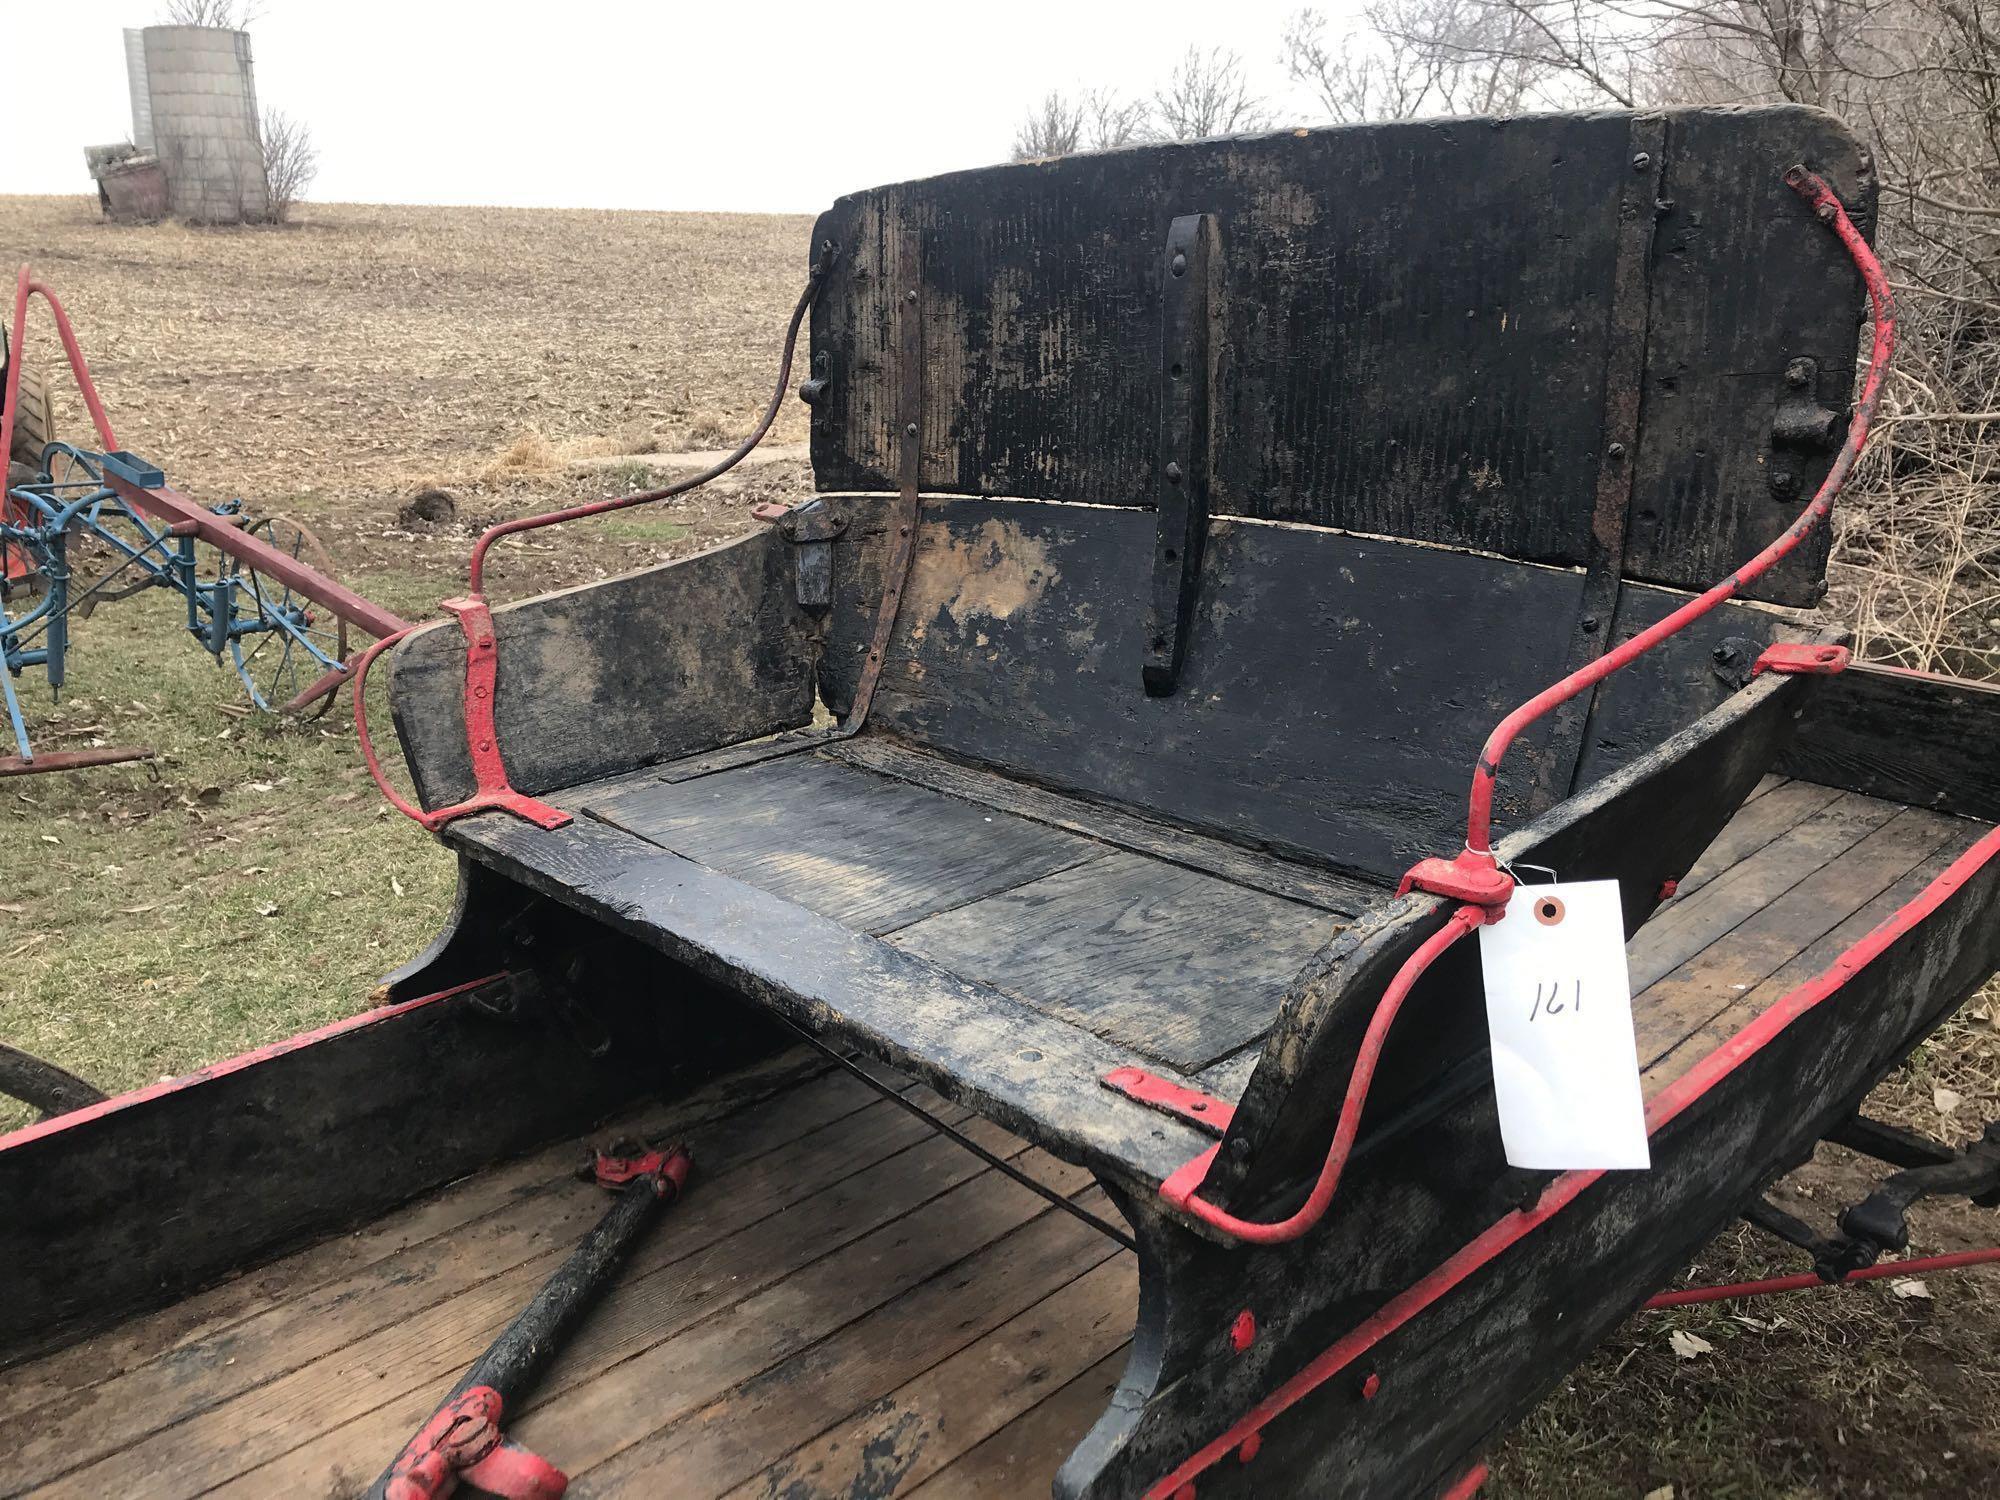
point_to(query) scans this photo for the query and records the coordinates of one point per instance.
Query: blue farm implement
(258, 593)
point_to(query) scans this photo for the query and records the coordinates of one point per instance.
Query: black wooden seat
(1185, 520)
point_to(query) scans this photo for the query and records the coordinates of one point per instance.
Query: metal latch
(810, 527)
(1799, 426)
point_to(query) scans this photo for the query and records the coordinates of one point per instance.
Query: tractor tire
(34, 424)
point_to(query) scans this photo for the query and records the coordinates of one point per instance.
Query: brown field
(250, 882)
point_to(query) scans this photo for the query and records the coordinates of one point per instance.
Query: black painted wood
(1478, 1359)
(1928, 741)
(1679, 680)
(131, 1208)
(1179, 966)
(1416, 323)
(1030, 1072)
(1642, 825)
(1334, 696)
(872, 852)
(687, 656)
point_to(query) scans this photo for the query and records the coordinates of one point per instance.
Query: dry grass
(519, 358)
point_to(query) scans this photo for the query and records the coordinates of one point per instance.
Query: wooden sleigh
(1186, 519)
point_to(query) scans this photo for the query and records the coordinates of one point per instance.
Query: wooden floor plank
(1684, 1001)
(755, 1166)
(758, 1423)
(914, 1432)
(1181, 966)
(1760, 820)
(867, 850)
(1814, 960)
(205, 1314)
(717, 1340)
(1687, 925)
(1258, 869)
(671, 1279)
(1021, 1457)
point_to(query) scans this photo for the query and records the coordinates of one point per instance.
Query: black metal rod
(1005, 1168)
(516, 1360)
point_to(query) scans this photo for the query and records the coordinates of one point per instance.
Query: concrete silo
(193, 95)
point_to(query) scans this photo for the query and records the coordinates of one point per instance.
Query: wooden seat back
(1366, 434)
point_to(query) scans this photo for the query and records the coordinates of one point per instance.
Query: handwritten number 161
(1549, 999)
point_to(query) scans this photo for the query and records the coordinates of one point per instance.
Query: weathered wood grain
(687, 656)
(1400, 349)
(1928, 741)
(1031, 1072)
(1333, 700)
(1178, 966)
(1260, 870)
(869, 851)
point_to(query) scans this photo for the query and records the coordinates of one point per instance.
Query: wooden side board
(1413, 329)
(136, 1202)
(684, 657)
(1929, 741)
(1643, 825)
(1456, 1370)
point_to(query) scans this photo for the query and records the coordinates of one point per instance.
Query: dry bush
(291, 162)
(530, 453)
(1916, 564)
(226, 15)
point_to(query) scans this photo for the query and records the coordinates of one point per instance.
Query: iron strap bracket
(907, 509)
(1640, 207)
(1193, 262)
(1203, 1111)
(482, 742)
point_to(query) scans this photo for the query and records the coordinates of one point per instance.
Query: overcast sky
(622, 104)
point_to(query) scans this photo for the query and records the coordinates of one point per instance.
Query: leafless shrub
(291, 162)
(1207, 94)
(1063, 124)
(227, 15)
(1916, 564)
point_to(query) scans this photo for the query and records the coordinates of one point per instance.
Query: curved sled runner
(1187, 517)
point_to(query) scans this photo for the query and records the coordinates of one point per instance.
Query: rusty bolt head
(1826, 213)
(1616, 450)
(1173, 473)
(1784, 483)
(910, 295)
(1179, 264)
(1799, 372)
(910, 429)
(1588, 624)
(1641, 161)
(1724, 655)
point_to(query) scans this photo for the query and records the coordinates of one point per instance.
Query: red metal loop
(1180, 1189)
(1789, 657)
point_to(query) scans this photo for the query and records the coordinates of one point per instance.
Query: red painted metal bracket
(1790, 657)
(1474, 877)
(667, 1170)
(482, 742)
(463, 1444)
(1204, 1111)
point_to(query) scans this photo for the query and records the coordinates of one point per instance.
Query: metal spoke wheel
(273, 659)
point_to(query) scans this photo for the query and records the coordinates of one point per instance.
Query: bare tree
(226, 15)
(1094, 120)
(1207, 94)
(291, 162)
(1410, 58)
(1053, 127)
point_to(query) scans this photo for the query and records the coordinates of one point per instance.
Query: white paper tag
(1559, 1007)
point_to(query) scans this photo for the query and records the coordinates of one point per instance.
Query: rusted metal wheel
(277, 666)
